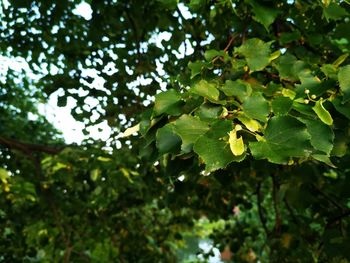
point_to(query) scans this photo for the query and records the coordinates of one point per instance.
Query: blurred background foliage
(149, 198)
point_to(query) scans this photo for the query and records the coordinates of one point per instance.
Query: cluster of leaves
(284, 102)
(273, 107)
(251, 134)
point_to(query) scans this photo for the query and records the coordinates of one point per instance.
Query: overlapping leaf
(168, 102)
(256, 107)
(256, 52)
(207, 90)
(213, 149)
(189, 128)
(284, 138)
(263, 14)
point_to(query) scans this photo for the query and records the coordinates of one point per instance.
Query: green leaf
(208, 112)
(281, 105)
(168, 102)
(256, 107)
(322, 136)
(287, 37)
(256, 52)
(167, 141)
(329, 70)
(197, 67)
(213, 150)
(196, 4)
(343, 108)
(207, 90)
(334, 11)
(189, 129)
(290, 68)
(341, 143)
(285, 137)
(238, 88)
(263, 14)
(322, 113)
(344, 81)
(323, 158)
(210, 54)
(169, 4)
(311, 83)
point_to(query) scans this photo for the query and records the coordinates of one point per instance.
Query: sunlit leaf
(236, 144)
(130, 131)
(213, 149)
(206, 89)
(322, 113)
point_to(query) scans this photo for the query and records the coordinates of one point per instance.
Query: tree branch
(327, 197)
(29, 148)
(338, 218)
(232, 38)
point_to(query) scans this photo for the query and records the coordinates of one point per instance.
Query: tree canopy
(229, 119)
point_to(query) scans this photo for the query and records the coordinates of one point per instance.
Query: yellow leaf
(6, 188)
(340, 60)
(275, 55)
(288, 93)
(126, 173)
(236, 144)
(4, 175)
(326, 2)
(286, 240)
(95, 174)
(250, 124)
(130, 131)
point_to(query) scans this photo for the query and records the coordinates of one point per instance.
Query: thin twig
(232, 38)
(327, 197)
(229, 43)
(338, 218)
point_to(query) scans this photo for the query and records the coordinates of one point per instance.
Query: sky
(61, 117)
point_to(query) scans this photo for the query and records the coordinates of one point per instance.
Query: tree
(247, 144)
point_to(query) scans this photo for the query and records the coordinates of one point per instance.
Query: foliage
(249, 135)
